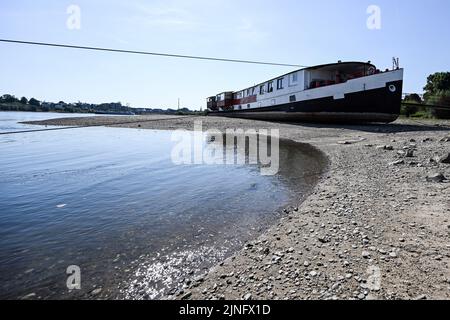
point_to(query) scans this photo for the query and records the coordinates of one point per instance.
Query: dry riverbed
(377, 225)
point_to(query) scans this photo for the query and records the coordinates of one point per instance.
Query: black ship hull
(380, 105)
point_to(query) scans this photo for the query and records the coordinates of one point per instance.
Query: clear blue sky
(298, 32)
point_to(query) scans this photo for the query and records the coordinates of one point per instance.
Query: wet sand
(374, 227)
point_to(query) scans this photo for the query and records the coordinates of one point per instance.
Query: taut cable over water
(169, 55)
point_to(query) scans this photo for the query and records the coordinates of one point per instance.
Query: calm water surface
(111, 201)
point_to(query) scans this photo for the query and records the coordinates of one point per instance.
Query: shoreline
(372, 228)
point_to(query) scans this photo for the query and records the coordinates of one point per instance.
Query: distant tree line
(437, 93)
(9, 102)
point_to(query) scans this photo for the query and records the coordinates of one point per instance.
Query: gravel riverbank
(377, 225)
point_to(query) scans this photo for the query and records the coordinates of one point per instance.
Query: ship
(335, 92)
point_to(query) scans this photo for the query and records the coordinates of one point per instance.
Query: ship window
(270, 86)
(248, 106)
(295, 77)
(280, 84)
(292, 98)
(261, 90)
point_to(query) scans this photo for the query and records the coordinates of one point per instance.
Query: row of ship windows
(273, 102)
(266, 88)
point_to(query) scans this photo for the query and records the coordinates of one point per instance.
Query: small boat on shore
(337, 92)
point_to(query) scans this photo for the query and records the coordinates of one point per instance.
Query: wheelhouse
(223, 101)
(331, 74)
(211, 103)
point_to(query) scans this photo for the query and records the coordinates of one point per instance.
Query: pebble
(386, 147)
(187, 295)
(445, 159)
(397, 163)
(436, 177)
(96, 291)
(248, 296)
(409, 153)
(29, 296)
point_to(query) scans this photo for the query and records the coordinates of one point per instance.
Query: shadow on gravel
(378, 128)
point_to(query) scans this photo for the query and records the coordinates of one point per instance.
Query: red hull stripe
(245, 100)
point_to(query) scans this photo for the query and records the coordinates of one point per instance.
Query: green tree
(7, 98)
(439, 81)
(441, 98)
(413, 98)
(24, 100)
(34, 102)
(408, 110)
(437, 92)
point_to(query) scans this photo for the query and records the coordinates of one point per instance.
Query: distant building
(48, 105)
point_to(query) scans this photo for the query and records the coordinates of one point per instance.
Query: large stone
(186, 296)
(96, 291)
(313, 273)
(29, 296)
(397, 163)
(385, 147)
(445, 159)
(409, 153)
(436, 177)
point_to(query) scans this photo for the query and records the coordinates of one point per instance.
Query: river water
(112, 202)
